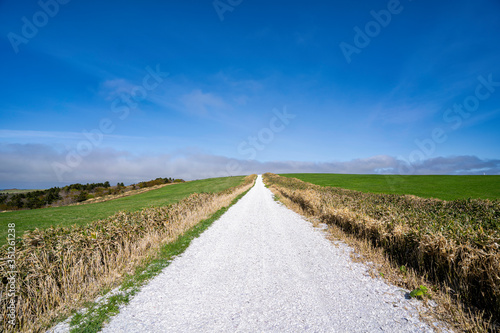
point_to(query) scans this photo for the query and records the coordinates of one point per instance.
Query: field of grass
(15, 191)
(83, 214)
(440, 187)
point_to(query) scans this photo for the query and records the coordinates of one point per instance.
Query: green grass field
(83, 214)
(441, 187)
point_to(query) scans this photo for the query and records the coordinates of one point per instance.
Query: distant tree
(34, 202)
(99, 191)
(82, 196)
(52, 195)
(16, 202)
(77, 186)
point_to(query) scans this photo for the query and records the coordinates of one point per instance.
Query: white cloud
(110, 89)
(31, 165)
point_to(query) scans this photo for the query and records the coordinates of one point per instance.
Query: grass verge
(442, 187)
(97, 313)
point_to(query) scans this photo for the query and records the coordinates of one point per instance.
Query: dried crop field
(452, 243)
(61, 268)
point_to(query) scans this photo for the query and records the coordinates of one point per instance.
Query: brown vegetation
(61, 268)
(451, 243)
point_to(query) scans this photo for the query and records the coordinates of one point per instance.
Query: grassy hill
(435, 186)
(83, 214)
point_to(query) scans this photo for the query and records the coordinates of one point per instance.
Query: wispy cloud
(458, 165)
(24, 134)
(111, 89)
(203, 104)
(228, 80)
(479, 119)
(40, 135)
(31, 165)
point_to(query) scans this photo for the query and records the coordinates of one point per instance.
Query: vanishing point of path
(263, 268)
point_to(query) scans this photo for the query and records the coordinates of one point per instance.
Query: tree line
(69, 194)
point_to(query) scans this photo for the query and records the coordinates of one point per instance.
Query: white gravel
(263, 268)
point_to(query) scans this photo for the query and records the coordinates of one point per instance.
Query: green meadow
(440, 187)
(69, 215)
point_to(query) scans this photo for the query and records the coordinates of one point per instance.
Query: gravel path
(263, 268)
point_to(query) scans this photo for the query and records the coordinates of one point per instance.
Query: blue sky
(197, 89)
